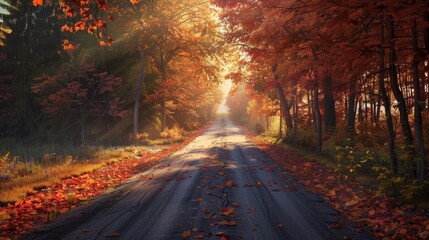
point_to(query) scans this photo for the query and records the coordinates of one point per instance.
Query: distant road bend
(218, 185)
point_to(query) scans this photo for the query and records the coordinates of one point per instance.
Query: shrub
(258, 128)
(173, 134)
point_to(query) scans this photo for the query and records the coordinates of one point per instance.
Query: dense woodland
(349, 78)
(125, 71)
(336, 93)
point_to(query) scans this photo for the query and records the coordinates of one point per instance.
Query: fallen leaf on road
(114, 234)
(259, 184)
(199, 236)
(219, 233)
(228, 211)
(227, 222)
(229, 183)
(186, 234)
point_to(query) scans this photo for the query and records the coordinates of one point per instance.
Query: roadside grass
(27, 167)
(363, 160)
(21, 176)
(366, 179)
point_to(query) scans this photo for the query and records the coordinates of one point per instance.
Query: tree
(78, 92)
(4, 28)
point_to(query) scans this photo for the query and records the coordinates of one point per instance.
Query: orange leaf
(134, 1)
(229, 183)
(199, 236)
(114, 234)
(227, 222)
(259, 184)
(37, 3)
(228, 211)
(186, 234)
(372, 213)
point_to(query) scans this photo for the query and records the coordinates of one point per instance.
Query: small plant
(402, 184)
(71, 198)
(258, 128)
(54, 213)
(69, 161)
(142, 136)
(4, 216)
(350, 160)
(172, 135)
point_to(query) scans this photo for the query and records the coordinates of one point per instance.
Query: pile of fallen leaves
(47, 203)
(380, 216)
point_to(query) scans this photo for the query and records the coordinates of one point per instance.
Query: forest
(348, 80)
(94, 84)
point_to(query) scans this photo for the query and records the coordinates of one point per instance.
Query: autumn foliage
(364, 207)
(358, 68)
(46, 204)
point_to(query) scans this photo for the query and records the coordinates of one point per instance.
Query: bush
(258, 128)
(172, 135)
(350, 160)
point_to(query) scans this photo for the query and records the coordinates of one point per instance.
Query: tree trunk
(163, 115)
(286, 109)
(139, 82)
(82, 129)
(405, 125)
(318, 119)
(281, 123)
(163, 106)
(426, 30)
(329, 103)
(386, 102)
(351, 111)
(418, 124)
(310, 114)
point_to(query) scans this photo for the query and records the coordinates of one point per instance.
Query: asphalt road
(218, 185)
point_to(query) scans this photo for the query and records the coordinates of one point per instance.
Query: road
(218, 185)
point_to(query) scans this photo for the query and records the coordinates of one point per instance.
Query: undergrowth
(360, 157)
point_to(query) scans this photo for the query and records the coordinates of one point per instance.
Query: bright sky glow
(226, 87)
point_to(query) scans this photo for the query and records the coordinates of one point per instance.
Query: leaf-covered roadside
(18, 219)
(380, 216)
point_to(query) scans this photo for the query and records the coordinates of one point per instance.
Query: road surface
(218, 185)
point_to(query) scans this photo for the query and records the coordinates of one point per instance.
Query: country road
(218, 185)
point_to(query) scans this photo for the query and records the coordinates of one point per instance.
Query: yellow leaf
(351, 203)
